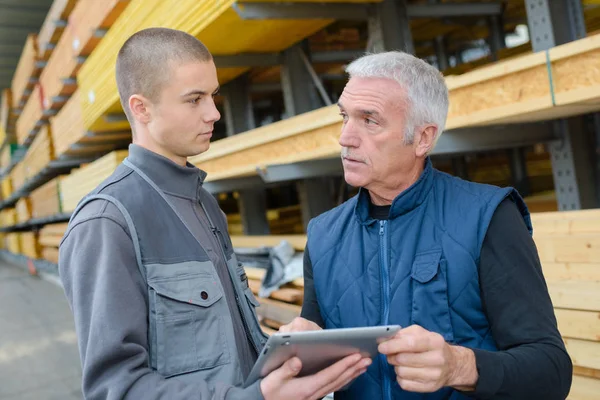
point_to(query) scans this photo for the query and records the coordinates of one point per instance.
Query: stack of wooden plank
(18, 176)
(45, 200)
(8, 217)
(32, 117)
(54, 26)
(23, 208)
(6, 156)
(210, 21)
(6, 187)
(568, 243)
(40, 153)
(7, 116)
(282, 221)
(27, 73)
(50, 237)
(68, 132)
(13, 242)
(82, 181)
(87, 21)
(30, 246)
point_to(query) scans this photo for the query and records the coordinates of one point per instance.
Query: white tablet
(318, 349)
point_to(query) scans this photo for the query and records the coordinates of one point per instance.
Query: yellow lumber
(51, 31)
(297, 241)
(54, 229)
(576, 295)
(32, 116)
(584, 388)
(26, 73)
(50, 254)
(30, 245)
(584, 353)
(45, 200)
(559, 272)
(579, 324)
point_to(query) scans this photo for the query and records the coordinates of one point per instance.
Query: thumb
(290, 368)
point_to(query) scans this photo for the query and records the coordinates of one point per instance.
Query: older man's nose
(348, 137)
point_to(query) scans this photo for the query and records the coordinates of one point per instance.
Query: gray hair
(426, 89)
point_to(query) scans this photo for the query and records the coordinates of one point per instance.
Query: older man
(453, 262)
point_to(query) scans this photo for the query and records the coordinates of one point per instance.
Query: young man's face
(183, 117)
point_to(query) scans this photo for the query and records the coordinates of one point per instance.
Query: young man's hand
(299, 325)
(283, 384)
(424, 362)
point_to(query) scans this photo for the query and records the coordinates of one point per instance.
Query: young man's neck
(150, 146)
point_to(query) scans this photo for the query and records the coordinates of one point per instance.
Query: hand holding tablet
(330, 359)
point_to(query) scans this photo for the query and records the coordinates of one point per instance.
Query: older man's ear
(425, 140)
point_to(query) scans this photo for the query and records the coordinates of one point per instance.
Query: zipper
(385, 301)
(223, 245)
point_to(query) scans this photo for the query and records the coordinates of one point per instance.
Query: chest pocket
(187, 317)
(430, 307)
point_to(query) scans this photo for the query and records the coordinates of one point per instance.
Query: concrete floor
(39, 359)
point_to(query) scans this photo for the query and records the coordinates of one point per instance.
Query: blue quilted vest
(418, 267)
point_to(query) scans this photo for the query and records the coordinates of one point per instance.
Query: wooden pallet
(54, 26)
(80, 182)
(40, 153)
(27, 73)
(45, 200)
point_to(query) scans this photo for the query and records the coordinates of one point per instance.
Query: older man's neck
(384, 195)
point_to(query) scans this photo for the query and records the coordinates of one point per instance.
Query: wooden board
(27, 72)
(8, 217)
(18, 176)
(45, 200)
(13, 242)
(89, 16)
(29, 245)
(79, 183)
(32, 116)
(23, 208)
(6, 187)
(582, 248)
(297, 241)
(576, 324)
(63, 64)
(50, 254)
(53, 26)
(54, 229)
(583, 388)
(40, 153)
(7, 116)
(278, 311)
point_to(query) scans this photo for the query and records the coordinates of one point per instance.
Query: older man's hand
(425, 363)
(299, 325)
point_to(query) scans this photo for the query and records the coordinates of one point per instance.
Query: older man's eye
(344, 116)
(369, 121)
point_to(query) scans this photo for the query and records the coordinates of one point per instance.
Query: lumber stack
(50, 237)
(8, 217)
(70, 137)
(45, 200)
(282, 221)
(6, 156)
(7, 116)
(210, 21)
(282, 306)
(6, 187)
(568, 243)
(18, 176)
(30, 246)
(39, 154)
(13, 242)
(524, 89)
(82, 181)
(23, 208)
(27, 72)
(32, 117)
(53, 26)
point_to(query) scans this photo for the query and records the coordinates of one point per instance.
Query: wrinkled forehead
(381, 94)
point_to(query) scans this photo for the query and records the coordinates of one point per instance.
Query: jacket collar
(170, 177)
(405, 202)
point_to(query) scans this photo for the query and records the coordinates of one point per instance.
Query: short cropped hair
(427, 93)
(144, 61)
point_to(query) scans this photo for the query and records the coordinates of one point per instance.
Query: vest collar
(167, 175)
(405, 202)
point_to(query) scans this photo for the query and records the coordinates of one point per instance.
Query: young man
(162, 307)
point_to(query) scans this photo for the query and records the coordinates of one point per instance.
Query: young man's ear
(139, 107)
(425, 139)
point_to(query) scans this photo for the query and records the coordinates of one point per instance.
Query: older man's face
(374, 155)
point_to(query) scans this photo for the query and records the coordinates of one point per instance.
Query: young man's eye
(195, 100)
